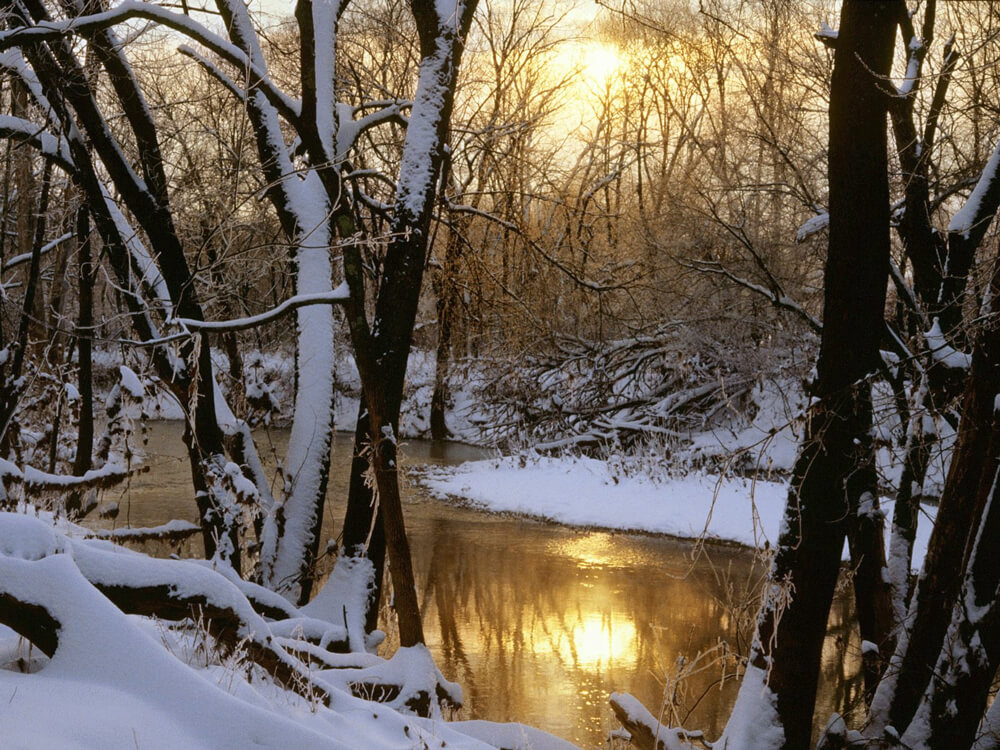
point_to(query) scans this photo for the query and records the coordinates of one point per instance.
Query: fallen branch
(646, 732)
(172, 531)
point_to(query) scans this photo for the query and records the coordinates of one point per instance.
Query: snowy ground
(590, 492)
(118, 682)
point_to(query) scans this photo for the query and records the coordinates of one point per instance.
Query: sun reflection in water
(597, 549)
(599, 640)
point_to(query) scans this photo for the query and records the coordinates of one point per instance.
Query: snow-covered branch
(337, 297)
(46, 248)
(24, 131)
(132, 10)
(36, 480)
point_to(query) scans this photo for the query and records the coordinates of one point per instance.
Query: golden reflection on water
(597, 639)
(539, 624)
(595, 549)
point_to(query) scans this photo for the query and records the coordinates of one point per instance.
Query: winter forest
(504, 374)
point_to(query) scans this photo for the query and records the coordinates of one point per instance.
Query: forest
(499, 374)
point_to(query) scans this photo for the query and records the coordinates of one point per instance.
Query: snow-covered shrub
(659, 399)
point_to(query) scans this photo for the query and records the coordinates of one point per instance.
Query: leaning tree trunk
(962, 499)
(835, 464)
(966, 491)
(67, 86)
(955, 642)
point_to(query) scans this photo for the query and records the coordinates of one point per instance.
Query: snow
(586, 492)
(942, 352)
(589, 492)
(912, 67)
(811, 226)
(416, 170)
(754, 723)
(131, 383)
(337, 296)
(344, 598)
(963, 221)
(26, 130)
(163, 529)
(667, 738)
(826, 32)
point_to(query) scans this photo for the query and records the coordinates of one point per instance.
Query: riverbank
(578, 491)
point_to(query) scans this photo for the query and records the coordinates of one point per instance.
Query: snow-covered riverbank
(589, 492)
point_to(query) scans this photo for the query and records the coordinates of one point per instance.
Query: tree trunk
(363, 528)
(382, 351)
(85, 345)
(954, 673)
(967, 487)
(835, 463)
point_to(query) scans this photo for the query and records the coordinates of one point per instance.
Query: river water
(540, 623)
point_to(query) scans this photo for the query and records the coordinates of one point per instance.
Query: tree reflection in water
(541, 623)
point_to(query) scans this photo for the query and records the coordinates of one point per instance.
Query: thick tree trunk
(834, 467)
(363, 528)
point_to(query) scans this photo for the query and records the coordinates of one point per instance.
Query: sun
(599, 62)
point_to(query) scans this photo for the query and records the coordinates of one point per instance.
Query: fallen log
(646, 731)
(173, 531)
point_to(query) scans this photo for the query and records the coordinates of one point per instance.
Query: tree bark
(382, 351)
(835, 463)
(967, 488)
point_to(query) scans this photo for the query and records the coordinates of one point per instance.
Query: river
(540, 623)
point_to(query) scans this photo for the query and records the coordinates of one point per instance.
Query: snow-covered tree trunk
(291, 533)
(382, 351)
(957, 688)
(835, 465)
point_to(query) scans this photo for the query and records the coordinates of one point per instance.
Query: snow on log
(92, 643)
(172, 531)
(168, 589)
(179, 590)
(646, 731)
(409, 681)
(36, 481)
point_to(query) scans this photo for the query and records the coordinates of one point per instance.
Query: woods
(741, 240)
